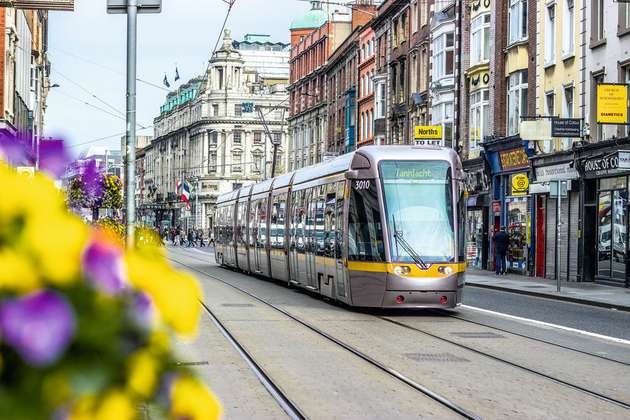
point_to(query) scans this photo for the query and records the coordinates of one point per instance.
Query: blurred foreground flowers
(85, 326)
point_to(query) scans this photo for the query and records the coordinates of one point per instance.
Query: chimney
(363, 11)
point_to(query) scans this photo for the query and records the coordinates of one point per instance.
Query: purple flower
(92, 181)
(38, 326)
(103, 265)
(53, 157)
(142, 310)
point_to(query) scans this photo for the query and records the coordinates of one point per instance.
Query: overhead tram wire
(230, 4)
(92, 94)
(96, 140)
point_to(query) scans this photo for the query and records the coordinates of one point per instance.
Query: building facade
(217, 131)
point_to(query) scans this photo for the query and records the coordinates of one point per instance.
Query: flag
(178, 186)
(166, 83)
(176, 74)
(186, 193)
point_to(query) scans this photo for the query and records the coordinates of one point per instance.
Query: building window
(215, 110)
(568, 102)
(550, 108)
(212, 162)
(257, 161)
(624, 17)
(238, 137)
(237, 162)
(238, 110)
(517, 20)
(480, 39)
(516, 100)
(568, 31)
(443, 115)
(214, 138)
(414, 20)
(443, 49)
(220, 77)
(380, 100)
(550, 35)
(257, 137)
(597, 10)
(479, 117)
(599, 133)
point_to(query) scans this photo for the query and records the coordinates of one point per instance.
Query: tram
(380, 227)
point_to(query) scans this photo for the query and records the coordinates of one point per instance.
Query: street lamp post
(132, 8)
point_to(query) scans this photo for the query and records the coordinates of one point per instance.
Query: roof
(313, 19)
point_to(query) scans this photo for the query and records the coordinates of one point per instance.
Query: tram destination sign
(566, 127)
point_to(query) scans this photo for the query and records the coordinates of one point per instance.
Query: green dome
(315, 18)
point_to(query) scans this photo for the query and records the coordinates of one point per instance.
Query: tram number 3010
(362, 184)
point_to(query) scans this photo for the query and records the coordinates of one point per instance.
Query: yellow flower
(142, 374)
(21, 195)
(115, 405)
(159, 342)
(176, 295)
(193, 400)
(17, 273)
(56, 243)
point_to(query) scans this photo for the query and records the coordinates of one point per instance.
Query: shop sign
(514, 159)
(556, 172)
(624, 159)
(496, 207)
(428, 132)
(39, 4)
(536, 130)
(566, 127)
(520, 184)
(612, 103)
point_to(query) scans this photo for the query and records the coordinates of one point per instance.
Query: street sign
(144, 6)
(566, 127)
(612, 103)
(536, 130)
(428, 132)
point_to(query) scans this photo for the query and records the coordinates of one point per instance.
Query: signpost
(132, 8)
(566, 127)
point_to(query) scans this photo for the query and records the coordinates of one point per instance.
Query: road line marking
(547, 324)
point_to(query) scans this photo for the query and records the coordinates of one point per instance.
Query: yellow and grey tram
(380, 227)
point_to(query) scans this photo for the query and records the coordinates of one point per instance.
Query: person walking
(501, 242)
(191, 238)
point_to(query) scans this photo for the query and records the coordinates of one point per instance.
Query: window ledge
(517, 43)
(568, 56)
(623, 32)
(549, 65)
(597, 44)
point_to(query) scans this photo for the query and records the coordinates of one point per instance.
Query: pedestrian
(190, 238)
(501, 242)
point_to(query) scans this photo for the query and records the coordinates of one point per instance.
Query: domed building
(313, 19)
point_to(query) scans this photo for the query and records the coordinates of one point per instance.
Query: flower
(53, 157)
(38, 326)
(116, 404)
(190, 399)
(17, 273)
(142, 310)
(102, 263)
(142, 377)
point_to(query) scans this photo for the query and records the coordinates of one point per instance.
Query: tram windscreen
(419, 206)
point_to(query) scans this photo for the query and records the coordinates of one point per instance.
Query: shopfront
(477, 214)
(606, 180)
(511, 201)
(557, 239)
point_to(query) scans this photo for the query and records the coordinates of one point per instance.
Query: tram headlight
(402, 270)
(446, 270)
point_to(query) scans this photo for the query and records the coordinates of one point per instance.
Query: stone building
(210, 132)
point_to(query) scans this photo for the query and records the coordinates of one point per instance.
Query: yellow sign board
(520, 184)
(428, 132)
(612, 103)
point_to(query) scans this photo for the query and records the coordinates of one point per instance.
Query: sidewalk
(584, 293)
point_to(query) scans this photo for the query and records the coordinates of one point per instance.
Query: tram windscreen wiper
(400, 240)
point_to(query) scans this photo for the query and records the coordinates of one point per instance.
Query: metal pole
(558, 216)
(132, 32)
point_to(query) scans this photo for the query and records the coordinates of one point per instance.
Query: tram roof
(321, 170)
(263, 186)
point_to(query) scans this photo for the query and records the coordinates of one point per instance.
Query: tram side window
(273, 235)
(329, 219)
(340, 227)
(309, 204)
(365, 231)
(253, 231)
(319, 220)
(262, 222)
(461, 224)
(301, 209)
(282, 208)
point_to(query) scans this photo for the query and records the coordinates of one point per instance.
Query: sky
(87, 50)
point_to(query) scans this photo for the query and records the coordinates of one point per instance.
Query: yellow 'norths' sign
(428, 132)
(612, 103)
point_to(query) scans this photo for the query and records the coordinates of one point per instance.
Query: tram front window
(419, 205)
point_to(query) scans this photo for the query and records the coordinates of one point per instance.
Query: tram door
(258, 236)
(311, 241)
(328, 271)
(342, 273)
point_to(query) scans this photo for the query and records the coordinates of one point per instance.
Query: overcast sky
(87, 52)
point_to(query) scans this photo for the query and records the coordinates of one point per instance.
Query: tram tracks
(445, 402)
(465, 347)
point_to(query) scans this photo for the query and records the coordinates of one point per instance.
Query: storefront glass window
(603, 247)
(517, 229)
(620, 235)
(612, 233)
(474, 239)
